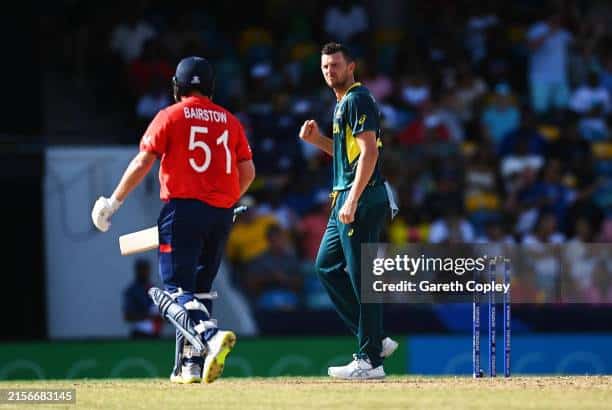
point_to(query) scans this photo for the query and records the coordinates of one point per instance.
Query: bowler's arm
(365, 163)
(311, 134)
(324, 143)
(365, 167)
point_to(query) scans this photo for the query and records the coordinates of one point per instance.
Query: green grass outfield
(295, 393)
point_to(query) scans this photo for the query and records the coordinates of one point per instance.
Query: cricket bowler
(360, 207)
(206, 166)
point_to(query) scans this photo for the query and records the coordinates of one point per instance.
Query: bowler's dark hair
(333, 48)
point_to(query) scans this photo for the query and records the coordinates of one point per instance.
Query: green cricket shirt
(355, 113)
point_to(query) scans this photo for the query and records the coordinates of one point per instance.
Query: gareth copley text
(425, 286)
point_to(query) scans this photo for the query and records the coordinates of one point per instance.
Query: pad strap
(195, 304)
(189, 352)
(204, 295)
(204, 325)
(178, 316)
(201, 295)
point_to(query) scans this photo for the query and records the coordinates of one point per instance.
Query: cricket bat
(139, 241)
(148, 239)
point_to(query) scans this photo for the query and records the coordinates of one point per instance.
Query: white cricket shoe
(176, 378)
(218, 348)
(389, 346)
(190, 373)
(358, 369)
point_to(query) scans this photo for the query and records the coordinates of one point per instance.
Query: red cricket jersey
(200, 145)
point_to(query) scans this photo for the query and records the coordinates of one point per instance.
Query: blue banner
(552, 353)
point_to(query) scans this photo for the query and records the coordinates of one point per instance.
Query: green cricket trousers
(338, 266)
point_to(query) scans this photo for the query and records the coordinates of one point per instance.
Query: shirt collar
(196, 98)
(354, 85)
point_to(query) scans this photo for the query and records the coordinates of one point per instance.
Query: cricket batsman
(360, 207)
(206, 166)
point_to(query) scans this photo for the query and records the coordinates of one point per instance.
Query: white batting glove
(103, 209)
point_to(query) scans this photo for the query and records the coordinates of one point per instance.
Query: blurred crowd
(496, 115)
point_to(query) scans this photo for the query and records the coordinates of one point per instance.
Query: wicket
(507, 323)
(476, 331)
(492, 329)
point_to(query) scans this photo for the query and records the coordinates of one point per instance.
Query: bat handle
(240, 209)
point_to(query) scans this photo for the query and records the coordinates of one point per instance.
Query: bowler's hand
(347, 212)
(310, 131)
(103, 209)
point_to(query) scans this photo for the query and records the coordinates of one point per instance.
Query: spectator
(502, 116)
(138, 309)
(590, 35)
(527, 139)
(593, 126)
(451, 228)
(408, 227)
(573, 151)
(273, 280)
(274, 205)
(548, 194)
(129, 37)
(482, 191)
(247, 239)
(606, 73)
(299, 194)
(520, 168)
(449, 118)
(415, 90)
(601, 289)
(579, 256)
(150, 67)
(583, 61)
(496, 232)
(592, 103)
(542, 257)
(379, 84)
(606, 231)
(469, 91)
(312, 226)
(345, 22)
(427, 127)
(518, 178)
(588, 265)
(481, 175)
(590, 95)
(546, 231)
(475, 37)
(179, 35)
(547, 72)
(155, 98)
(274, 151)
(256, 43)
